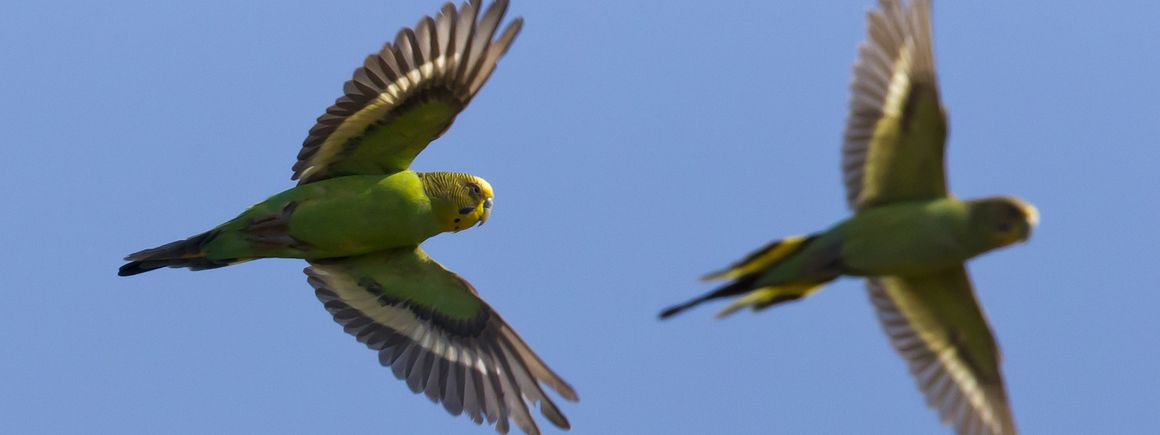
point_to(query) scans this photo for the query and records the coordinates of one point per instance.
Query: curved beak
(486, 211)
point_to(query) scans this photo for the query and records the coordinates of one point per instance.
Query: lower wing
(432, 329)
(936, 324)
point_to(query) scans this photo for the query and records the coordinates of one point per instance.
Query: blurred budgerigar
(908, 236)
(358, 215)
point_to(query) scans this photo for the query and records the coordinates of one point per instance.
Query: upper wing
(892, 148)
(935, 323)
(407, 95)
(432, 329)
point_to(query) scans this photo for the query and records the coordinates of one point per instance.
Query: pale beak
(1032, 214)
(486, 211)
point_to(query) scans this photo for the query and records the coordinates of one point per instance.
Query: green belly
(336, 217)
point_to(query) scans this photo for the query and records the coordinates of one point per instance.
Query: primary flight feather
(359, 213)
(908, 236)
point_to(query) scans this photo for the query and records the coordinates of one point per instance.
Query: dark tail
(746, 272)
(183, 253)
(740, 286)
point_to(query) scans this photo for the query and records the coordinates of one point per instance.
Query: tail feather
(740, 286)
(766, 257)
(188, 253)
(766, 297)
(745, 275)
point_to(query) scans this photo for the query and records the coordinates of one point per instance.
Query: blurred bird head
(460, 200)
(1003, 219)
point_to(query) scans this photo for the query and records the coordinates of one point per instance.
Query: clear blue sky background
(633, 147)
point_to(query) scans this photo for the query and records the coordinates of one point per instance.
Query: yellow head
(459, 200)
(1002, 220)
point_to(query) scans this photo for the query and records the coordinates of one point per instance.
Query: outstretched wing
(896, 128)
(936, 324)
(432, 329)
(407, 95)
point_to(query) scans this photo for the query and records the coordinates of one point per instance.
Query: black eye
(1014, 213)
(1004, 227)
(474, 189)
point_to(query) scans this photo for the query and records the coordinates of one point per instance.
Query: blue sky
(632, 147)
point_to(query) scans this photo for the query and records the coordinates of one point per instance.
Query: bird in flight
(908, 236)
(359, 213)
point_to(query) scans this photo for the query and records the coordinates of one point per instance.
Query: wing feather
(936, 325)
(407, 94)
(895, 134)
(430, 327)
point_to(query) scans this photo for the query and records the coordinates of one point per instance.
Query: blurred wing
(892, 148)
(935, 323)
(432, 329)
(407, 95)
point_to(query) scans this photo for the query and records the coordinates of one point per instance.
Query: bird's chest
(905, 246)
(360, 219)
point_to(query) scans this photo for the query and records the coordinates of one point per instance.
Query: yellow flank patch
(761, 259)
(767, 296)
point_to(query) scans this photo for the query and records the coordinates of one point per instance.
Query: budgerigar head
(1002, 220)
(460, 200)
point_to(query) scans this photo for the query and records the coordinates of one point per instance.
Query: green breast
(910, 238)
(362, 213)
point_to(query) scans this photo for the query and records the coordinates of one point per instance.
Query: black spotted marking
(466, 210)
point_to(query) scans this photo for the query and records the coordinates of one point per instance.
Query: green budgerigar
(358, 215)
(908, 236)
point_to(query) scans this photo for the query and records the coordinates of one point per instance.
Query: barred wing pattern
(407, 95)
(435, 333)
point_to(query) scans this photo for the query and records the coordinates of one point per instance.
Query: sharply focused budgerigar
(358, 215)
(908, 236)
